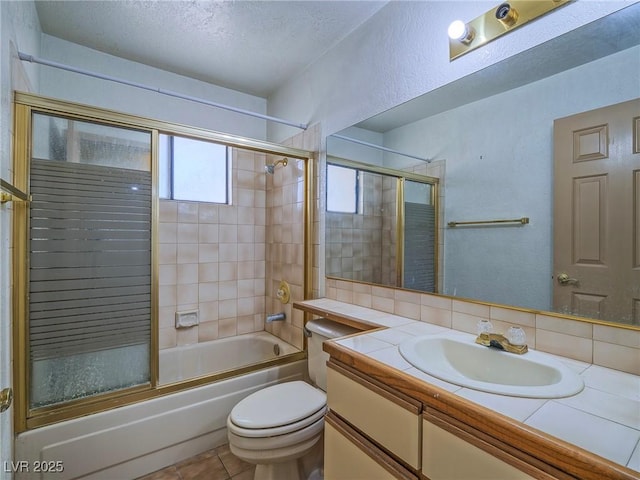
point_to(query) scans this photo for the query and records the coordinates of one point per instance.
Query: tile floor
(216, 464)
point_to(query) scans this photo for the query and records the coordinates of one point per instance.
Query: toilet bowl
(280, 428)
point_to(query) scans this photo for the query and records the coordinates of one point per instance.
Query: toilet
(280, 428)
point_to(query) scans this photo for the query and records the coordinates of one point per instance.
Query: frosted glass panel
(57, 380)
(66, 140)
(90, 220)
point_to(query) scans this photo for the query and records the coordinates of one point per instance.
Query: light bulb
(458, 30)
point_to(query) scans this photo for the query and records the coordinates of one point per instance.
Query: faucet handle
(516, 336)
(484, 326)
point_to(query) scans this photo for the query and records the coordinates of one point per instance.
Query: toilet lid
(278, 405)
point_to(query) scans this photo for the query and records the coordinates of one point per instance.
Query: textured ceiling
(249, 46)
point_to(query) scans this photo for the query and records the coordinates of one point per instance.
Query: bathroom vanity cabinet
(386, 422)
(375, 432)
(383, 423)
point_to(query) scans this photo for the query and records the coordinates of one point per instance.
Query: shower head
(271, 168)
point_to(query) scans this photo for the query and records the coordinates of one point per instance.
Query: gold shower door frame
(25, 104)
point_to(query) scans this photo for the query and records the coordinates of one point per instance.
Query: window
(193, 169)
(342, 189)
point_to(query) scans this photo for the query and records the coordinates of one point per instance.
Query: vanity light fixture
(464, 37)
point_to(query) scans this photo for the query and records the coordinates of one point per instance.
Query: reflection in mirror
(493, 130)
(381, 226)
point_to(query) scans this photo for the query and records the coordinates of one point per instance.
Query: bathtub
(226, 354)
(133, 440)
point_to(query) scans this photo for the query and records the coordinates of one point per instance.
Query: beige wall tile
(167, 296)
(208, 272)
(513, 317)
(471, 308)
(167, 232)
(407, 297)
(436, 316)
(406, 309)
(168, 211)
(167, 338)
(187, 294)
(207, 213)
(187, 212)
(208, 233)
(187, 253)
(187, 233)
(207, 331)
(167, 317)
(227, 327)
(564, 325)
(187, 273)
(383, 303)
(208, 292)
(618, 357)
(167, 253)
(167, 275)
(570, 346)
(436, 302)
(208, 253)
(208, 311)
(618, 336)
(466, 322)
(362, 299)
(187, 336)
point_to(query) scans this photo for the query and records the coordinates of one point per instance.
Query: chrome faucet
(276, 317)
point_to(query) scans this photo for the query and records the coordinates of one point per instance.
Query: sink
(462, 362)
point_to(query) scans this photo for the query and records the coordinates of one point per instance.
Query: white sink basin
(465, 363)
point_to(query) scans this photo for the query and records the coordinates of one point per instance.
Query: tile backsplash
(604, 345)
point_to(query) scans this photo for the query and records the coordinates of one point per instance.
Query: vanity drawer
(348, 455)
(444, 445)
(389, 419)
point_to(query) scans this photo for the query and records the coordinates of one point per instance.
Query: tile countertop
(603, 419)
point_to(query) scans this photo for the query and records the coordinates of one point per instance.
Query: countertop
(603, 419)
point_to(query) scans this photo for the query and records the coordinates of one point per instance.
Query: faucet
(514, 342)
(276, 317)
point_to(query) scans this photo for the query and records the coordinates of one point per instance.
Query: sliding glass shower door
(89, 307)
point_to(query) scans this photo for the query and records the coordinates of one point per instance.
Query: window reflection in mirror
(342, 189)
(381, 227)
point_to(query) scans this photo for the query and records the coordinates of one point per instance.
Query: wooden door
(597, 213)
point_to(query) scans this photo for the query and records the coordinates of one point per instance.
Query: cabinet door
(446, 456)
(388, 419)
(348, 455)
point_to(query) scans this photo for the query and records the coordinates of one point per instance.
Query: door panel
(597, 213)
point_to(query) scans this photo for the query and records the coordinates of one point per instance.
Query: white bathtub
(131, 441)
(205, 358)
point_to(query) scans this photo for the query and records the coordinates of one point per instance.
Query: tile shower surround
(227, 260)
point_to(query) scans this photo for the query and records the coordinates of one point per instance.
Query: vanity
(388, 419)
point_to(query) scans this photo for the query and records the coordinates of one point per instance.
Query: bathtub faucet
(276, 317)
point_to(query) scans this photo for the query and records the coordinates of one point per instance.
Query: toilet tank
(322, 329)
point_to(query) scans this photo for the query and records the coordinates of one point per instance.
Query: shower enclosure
(126, 229)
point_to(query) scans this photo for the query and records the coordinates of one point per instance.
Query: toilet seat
(278, 410)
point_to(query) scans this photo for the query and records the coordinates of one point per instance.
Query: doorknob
(6, 396)
(564, 279)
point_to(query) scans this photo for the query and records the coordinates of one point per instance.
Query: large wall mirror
(490, 136)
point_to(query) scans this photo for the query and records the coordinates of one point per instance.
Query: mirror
(491, 136)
